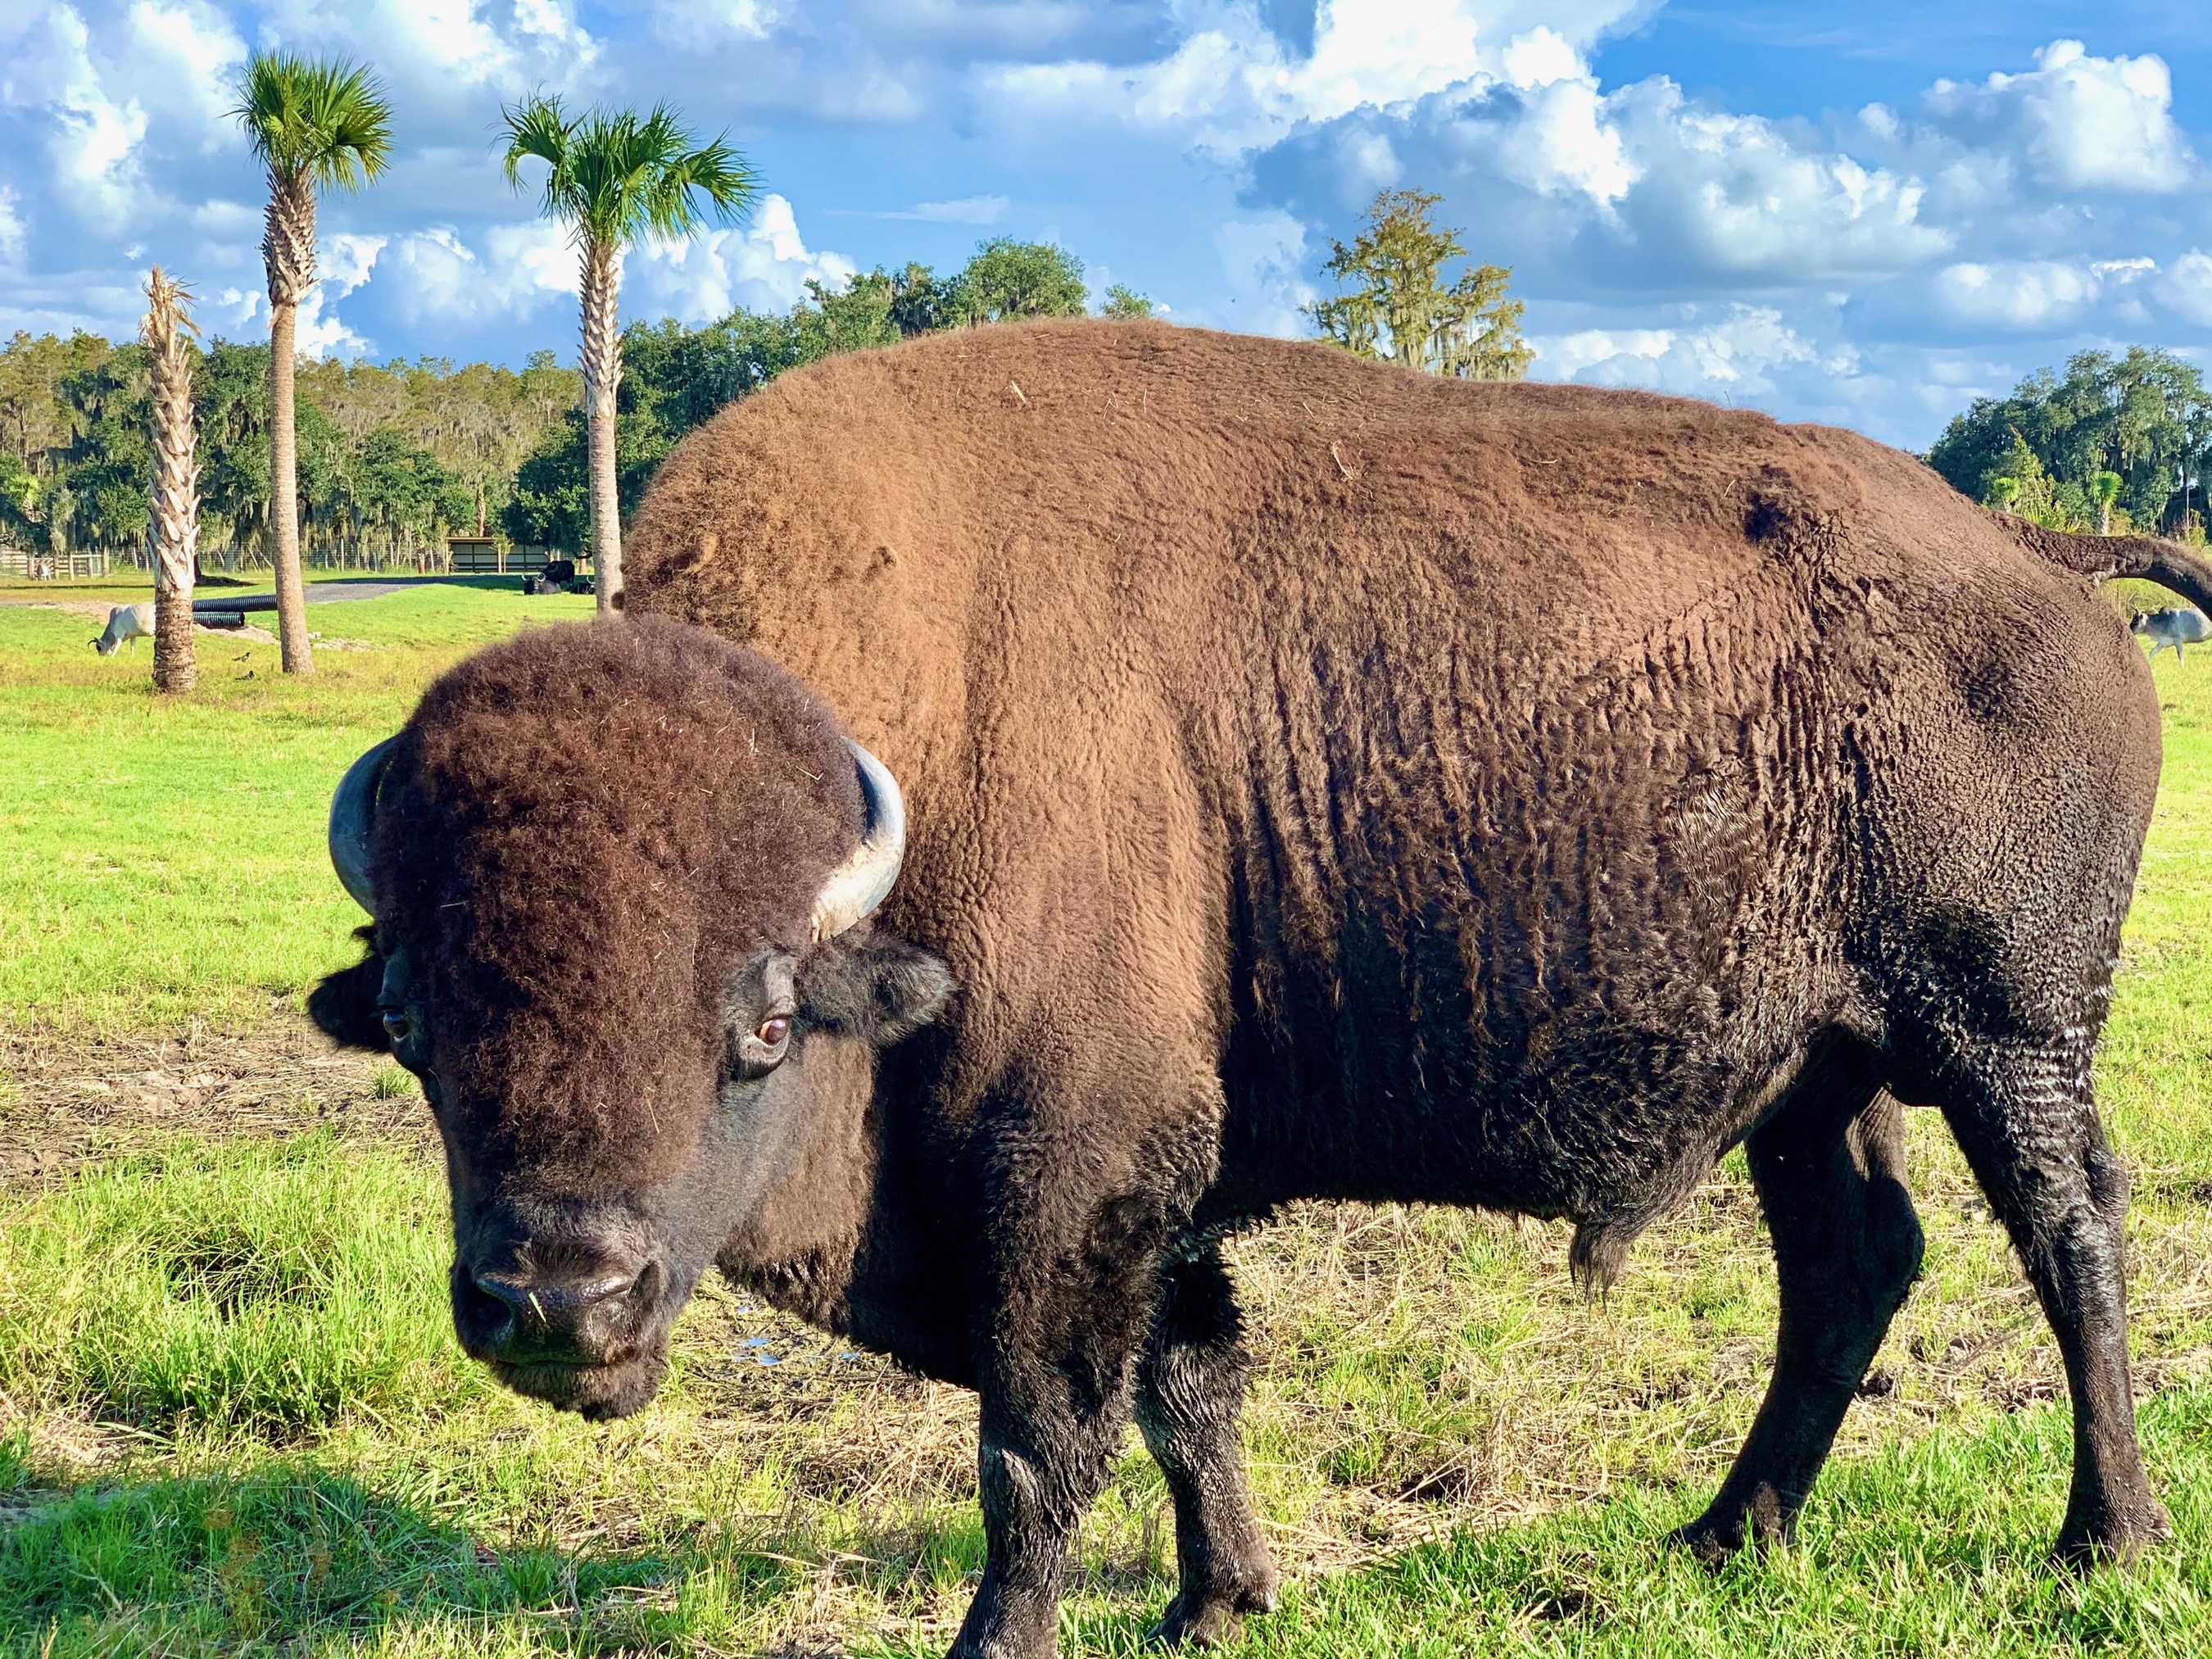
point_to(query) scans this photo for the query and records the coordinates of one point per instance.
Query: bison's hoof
(1210, 1620)
(1711, 1545)
(1734, 1523)
(2112, 1537)
(1715, 1543)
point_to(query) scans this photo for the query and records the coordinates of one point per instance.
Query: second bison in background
(1301, 778)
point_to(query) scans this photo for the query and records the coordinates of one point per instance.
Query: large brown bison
(1301, 778)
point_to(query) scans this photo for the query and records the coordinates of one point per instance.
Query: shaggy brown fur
(560, 802)
(1328, 782)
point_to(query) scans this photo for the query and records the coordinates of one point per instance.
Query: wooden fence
(47, 567)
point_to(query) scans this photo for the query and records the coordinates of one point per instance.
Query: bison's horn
(857, 886)
(353, 809)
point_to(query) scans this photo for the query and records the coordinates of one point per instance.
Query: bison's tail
(2167, 563)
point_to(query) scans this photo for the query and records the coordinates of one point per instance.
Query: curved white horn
(353, 810)
(857, 886)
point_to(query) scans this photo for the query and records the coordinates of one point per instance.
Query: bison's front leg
(1072, 1306)
(1188, 1395)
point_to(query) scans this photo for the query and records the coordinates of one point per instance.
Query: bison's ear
(873, 986)
(344, 1005)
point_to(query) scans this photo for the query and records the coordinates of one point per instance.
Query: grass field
(164, 857)
(233, 1418)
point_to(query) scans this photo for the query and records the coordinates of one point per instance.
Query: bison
(1061, 791)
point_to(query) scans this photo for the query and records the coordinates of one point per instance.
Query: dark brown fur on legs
(1830, 1169)
(1189, 1393)
(2029, 1131)
(1056, 1373)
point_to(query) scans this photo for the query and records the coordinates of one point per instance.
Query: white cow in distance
(2177, 626)
(126, 622)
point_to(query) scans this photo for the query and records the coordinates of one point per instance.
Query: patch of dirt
(68, 1101)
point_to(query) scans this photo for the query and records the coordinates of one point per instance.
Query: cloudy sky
(1857, 211)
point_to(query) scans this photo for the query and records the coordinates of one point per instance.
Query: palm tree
(314, 125)
(2105, 489)
(613, 178)
(176, 506)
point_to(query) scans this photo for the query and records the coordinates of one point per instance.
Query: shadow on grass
(290, 1558)
(242, 1564)
(1933, 1545)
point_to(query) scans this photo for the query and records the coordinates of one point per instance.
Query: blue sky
(1865, 213)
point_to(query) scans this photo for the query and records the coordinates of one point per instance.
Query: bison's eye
(761, 1050)
(396, 1025)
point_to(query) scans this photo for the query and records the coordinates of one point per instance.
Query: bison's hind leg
(1190, 1390)
(2023, 1113)
(1829, 1164)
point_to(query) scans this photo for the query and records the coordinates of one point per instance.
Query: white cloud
(408, 40)
(437, 275)
(434, 275)
(550, 21)
(1261, 260)
(2035, 296)
(1741, 354)
(1232, 86)
(2186, 287)
(2080, 123)
(532, 258)
(428, 50)
(1637, 187)
(184, 60)
(343, 263)
(92, 138)
(2042, 295)
(764, 265)
(966, 211)
(962, 210)
(1563, 145)
(1740, 195)
(710, 20)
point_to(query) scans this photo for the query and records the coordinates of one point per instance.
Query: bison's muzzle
(589, 1337)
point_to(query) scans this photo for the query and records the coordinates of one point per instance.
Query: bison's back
(989, 531)
(1135, 480)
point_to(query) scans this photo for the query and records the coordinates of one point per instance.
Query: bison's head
(620, 876)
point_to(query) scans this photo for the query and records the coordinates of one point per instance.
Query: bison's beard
(596, 1393)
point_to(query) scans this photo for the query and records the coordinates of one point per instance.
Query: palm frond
(323, 120)
(538, 129)
(615, 176)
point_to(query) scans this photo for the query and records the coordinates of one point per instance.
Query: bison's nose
(574, 1319)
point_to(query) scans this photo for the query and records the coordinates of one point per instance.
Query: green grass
(233, 1419)
(277, 1284)
(165, 856)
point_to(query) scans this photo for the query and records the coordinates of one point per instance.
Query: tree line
(392, 457)
(2113, 443)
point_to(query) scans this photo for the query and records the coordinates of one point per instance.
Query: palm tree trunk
(176, 506)
(288, 251)
(602, 374)
(284, 496)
